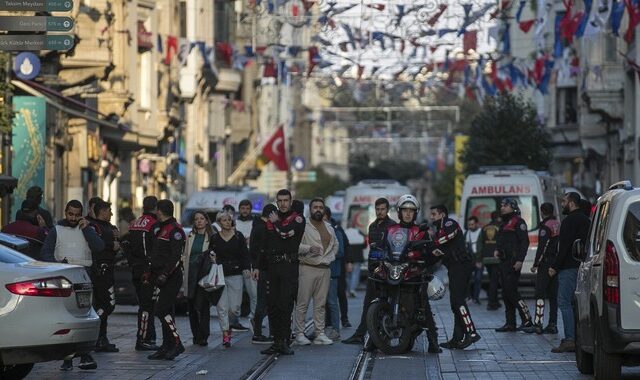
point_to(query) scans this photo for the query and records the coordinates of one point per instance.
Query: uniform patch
(177, 236)
(523, 227)
(448, 224)
(156, 230)
(542, 232)
(299, 219)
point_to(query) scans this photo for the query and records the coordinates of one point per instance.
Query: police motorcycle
(396, 318)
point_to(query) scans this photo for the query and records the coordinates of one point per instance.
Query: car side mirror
(578, 251)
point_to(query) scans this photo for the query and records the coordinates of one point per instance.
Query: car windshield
(482, 207)
(188, 213)
(9, 256)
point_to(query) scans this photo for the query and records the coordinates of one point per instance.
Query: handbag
(214, 280)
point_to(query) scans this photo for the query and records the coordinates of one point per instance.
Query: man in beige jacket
(317, 250)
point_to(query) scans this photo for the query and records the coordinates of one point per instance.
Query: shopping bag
(214, 279)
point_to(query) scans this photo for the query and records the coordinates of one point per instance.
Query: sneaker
(261, 339)
(352, 294)
(67, 365)
(566, 345)
(322, 339)
(301, 340)
(332, 334)
(550, 329)
(87, 362)
(226, 341)
(238, 327)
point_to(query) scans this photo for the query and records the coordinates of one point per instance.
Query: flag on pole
(275, 150)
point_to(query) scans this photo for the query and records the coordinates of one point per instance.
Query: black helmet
(511, 202)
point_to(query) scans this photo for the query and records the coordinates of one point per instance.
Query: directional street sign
(35, 24)
(36, 42)
(36, 5)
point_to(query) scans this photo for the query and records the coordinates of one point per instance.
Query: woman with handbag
(230, 249)
(197, 263)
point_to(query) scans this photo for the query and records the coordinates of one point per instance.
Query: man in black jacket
(166, 270)
(285, 229)
(565, 267)
(512, 245)
(377, 230)
(141, 239)
(259, 265)
(102, 274)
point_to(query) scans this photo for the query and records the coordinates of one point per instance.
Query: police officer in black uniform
(449, 242)
(141, 238)
(104, 300)
(284, 234)
(512, 245)
(376, 239)
(166, 271)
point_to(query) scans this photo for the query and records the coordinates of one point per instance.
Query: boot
(451, 345)
(142, 345)
(506, 328)
(174, 351)
(432, 337)
(469, 339)
(566, 345)
(285, 349)
(103, 345)
(533, 328)
(550, 329)
(159, 355)
(273, 349)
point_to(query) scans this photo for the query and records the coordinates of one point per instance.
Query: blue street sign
(298, 163)
(26, 65)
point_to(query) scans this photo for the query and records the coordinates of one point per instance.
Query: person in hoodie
(73, 241)
(29, 225)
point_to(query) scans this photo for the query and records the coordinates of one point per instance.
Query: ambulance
(336, 203)
(212, 200)
(482, 194)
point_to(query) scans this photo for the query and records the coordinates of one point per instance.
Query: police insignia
(156, 230)
(299, 219)
(542, 232)
(177, 236)
(448, 224)
(523, 227)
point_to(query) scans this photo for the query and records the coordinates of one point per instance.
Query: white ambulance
(482, 194)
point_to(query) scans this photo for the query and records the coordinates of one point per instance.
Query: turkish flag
(275, 151)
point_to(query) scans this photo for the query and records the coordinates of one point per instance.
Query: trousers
(283, 289)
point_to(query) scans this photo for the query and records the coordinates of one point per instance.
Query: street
(496, 356)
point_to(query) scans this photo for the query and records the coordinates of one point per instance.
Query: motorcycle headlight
(396, 271)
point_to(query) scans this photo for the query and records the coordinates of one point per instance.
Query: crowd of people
(286, 262)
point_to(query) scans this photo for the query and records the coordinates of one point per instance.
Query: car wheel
(17, 371)
(605, 365)
(584, 360)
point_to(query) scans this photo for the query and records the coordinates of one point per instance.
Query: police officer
(546, 286)
(408, 208)
(166, 271)
(512, 245)
(376, 236)
(486, 247)
(104, 300)
(141, 239)
(284, 234)
(449, 242)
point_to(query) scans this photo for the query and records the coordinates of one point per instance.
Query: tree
(506, 132)
(444, 188)
(324, 186)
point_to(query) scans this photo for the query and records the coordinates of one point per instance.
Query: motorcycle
(395, 319)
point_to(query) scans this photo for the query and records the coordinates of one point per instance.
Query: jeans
(477, 282)
(567, 279)
(332, 303)
(354, 277)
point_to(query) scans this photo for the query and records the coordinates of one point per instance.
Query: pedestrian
(285, 229)
(230, 249)
(486, 247)
(196, 255)
(376, 234)
(354, 259)
(232, 211)
(546, 286)
(31, 226)
(73, 241)
(334, 313)
(141, 238)
(574, 226)
(35, 194)
(317, 251)
(244, 224)
(91, 216)
(125, 218)
(511, 249)
(258, 262)
(166, 271)
(471, 242)
(102, 272)
(449, 242)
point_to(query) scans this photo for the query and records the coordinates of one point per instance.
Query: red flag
(470, 40)
(432, 21)
(634, 20)
(172, 48)
(275, 151)
(525, 26)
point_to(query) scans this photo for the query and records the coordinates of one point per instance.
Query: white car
(45, 312)
(607, 297)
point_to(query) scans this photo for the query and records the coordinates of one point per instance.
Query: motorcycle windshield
(397, 240)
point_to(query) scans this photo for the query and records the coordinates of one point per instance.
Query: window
(183, 19)
(223, 18)
(567, 106)
(601, 229)
(482, 207)
(631, 232)
(145, 80)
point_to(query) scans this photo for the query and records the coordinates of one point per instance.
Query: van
(212, 200)
(482, 194)
(336, 203)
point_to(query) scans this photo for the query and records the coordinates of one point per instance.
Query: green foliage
(324, 186)
(6, 113)
(444, 188)
(507, 133)
(362, 167)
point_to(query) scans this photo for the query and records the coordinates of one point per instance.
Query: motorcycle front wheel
(389, 338)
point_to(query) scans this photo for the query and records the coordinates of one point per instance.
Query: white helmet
(435, 289)
(408, 201)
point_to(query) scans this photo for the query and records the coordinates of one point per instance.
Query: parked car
(607, 297)
(45, 311)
